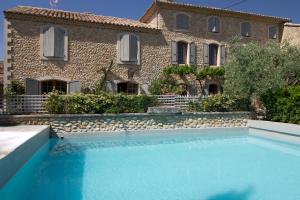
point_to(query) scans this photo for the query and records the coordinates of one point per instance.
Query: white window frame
(207, 23)
(251, 29)
(119, 61)
(65, 58)
(175, 22)
(277, 32)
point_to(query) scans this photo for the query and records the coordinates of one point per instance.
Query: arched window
(127, 88)
(182, 21)
(54, 40)
(214, 25)
(50, 85)
(246, 29)
(129, 48)
(182, 48)
(213, 89)
(213, 54)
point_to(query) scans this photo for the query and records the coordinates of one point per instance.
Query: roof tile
(84, 17)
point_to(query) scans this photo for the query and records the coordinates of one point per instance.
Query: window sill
(182, 30)
(53, 59)
(129, 63)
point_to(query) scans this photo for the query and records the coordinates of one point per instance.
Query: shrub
(165, 84)
(102, 103)
(216, 103)
(54, 104)
(283, 105)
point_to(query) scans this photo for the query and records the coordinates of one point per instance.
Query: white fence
(22, 104)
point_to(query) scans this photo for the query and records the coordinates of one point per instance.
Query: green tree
(253, 69)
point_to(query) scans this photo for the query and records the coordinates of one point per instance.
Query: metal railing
(24, 104)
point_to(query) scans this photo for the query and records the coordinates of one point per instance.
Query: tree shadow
(233, 195)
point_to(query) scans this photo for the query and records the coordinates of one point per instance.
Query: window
(214, 25)
(50, 85)
(273, 32)
(182, 48)
(213, 54)
(213, 89)
(54, 42)
(127, 88)
(183, 53)
(182, 21)
(246, 29)
(129, 49)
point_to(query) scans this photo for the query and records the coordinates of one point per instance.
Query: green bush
(283, 105)
(102, 103)
(164, 84)
(216, 103)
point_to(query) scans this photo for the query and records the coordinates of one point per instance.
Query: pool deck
(17, 145)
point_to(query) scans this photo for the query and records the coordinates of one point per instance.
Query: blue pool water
(183, 165)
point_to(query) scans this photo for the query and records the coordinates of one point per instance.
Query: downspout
(7, 47)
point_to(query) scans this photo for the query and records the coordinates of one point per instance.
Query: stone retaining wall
(65, 124)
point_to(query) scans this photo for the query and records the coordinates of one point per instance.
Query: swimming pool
(212, 164)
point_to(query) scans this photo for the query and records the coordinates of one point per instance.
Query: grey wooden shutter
(74, 87)
(111, 86)
(48, 42)
(124, 48)
(32, 87)
(223, 54)
(182, 21)
(217, 25)
(211, 24)
(174, 52)
(133, 48)
(246, 29)
(205, 54)
(272, 32)
(59, 45)
(192, 53)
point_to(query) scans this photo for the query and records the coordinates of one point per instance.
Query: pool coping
(17, 150)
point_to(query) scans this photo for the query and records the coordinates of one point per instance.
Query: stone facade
(291, 33)
(66, 124)
(92, 46)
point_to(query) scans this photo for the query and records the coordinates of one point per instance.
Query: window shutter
(217, 25)
(32, 87)
(246, 29)
(182, 21)
(59, 46)
(48, 42)
(272, 32)
(174, 52)
(111, 86)
(133, 48)
(74, 87)
(211, 24)
(192, 53)
(125, 48)
(223, 54)
(205, 54)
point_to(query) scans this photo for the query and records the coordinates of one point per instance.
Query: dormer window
(129, 49)
(273, 32)
(214, 25)
(246, 29)
(182, 21)
(54, 42)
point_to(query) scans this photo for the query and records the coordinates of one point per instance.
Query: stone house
(47, 48)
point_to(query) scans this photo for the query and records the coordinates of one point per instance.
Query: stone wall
(291, 33)
(91, 47)
(64, 124)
